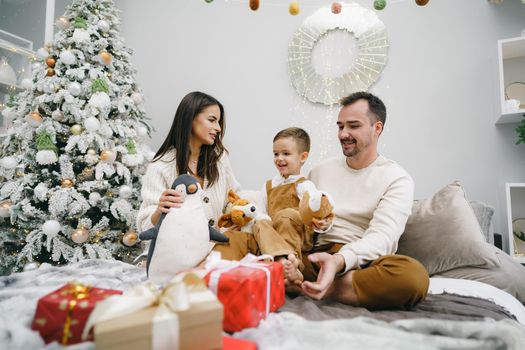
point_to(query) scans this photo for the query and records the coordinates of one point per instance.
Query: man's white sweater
(371, 207)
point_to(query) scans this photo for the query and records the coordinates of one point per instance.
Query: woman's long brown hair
(180, 132)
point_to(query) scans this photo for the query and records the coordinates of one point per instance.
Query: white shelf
(514, 117)
(511, 61)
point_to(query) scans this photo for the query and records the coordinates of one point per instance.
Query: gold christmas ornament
(50, 72)
(294, 8)
(63, 23)
(108, 156)
(34, 119)
(421, 2)
(50, 61)
(66, 183)
(130, 238)
(80, 235)
(76, 129)
(57, 115)
(105, 57)
(5, 208)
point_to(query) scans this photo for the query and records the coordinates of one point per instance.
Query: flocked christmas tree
(71, 165)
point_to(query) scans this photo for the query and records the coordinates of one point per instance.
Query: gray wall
(440, 85)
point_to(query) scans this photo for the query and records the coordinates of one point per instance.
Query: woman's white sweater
(160, 176)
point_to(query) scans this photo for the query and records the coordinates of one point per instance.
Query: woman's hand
(167, 200)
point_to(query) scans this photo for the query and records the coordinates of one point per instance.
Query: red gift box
(62, 314)
(243, 291)
(231, 343)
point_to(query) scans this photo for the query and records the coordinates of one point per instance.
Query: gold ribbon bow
(79, 291)
(178, 295)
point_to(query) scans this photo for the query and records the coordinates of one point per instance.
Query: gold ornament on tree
(5, 208)
(130, 238)
(76, 129)
(50, 72)
(50, 61)
(105, 57)
(34, 119)
(80, 235)
(66, 183)
(108, 156)
(62, 23)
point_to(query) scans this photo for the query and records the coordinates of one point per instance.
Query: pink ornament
(336, 8)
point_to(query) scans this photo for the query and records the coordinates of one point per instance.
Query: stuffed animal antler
(315, 205)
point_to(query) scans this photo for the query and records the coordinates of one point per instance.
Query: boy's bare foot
(292, 276)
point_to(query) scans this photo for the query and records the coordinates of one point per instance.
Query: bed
(447, 319)
(479, 308)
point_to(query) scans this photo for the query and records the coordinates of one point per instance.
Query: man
(352, 261)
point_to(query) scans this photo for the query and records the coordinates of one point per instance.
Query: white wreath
(372, 42)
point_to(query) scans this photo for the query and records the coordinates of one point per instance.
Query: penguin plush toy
(181, 238)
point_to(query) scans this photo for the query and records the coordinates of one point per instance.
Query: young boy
(281, 196)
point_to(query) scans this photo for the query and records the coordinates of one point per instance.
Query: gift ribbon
(79, 292)
(218, 266)
(178, 295)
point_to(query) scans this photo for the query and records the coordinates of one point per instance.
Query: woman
(193, 146)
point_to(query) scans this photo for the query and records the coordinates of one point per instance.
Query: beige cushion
(509, 276)
(443, 233)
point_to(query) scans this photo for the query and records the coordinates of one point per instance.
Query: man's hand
(330, 265)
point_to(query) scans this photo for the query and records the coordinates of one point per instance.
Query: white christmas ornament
(68, 57)
(74, 88)
(100, 100)
(31, 266)
(41, 191)
(42, 53)
(45, 157)
(49, 88)
(57, 115)
(94, 197)
(7, 73)
(26, 83)
(9, 162)
(103, 25)
(91, 124)
(51, 227)
(137, 98)
(125, 191)
(142, 131)
(80, 36)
